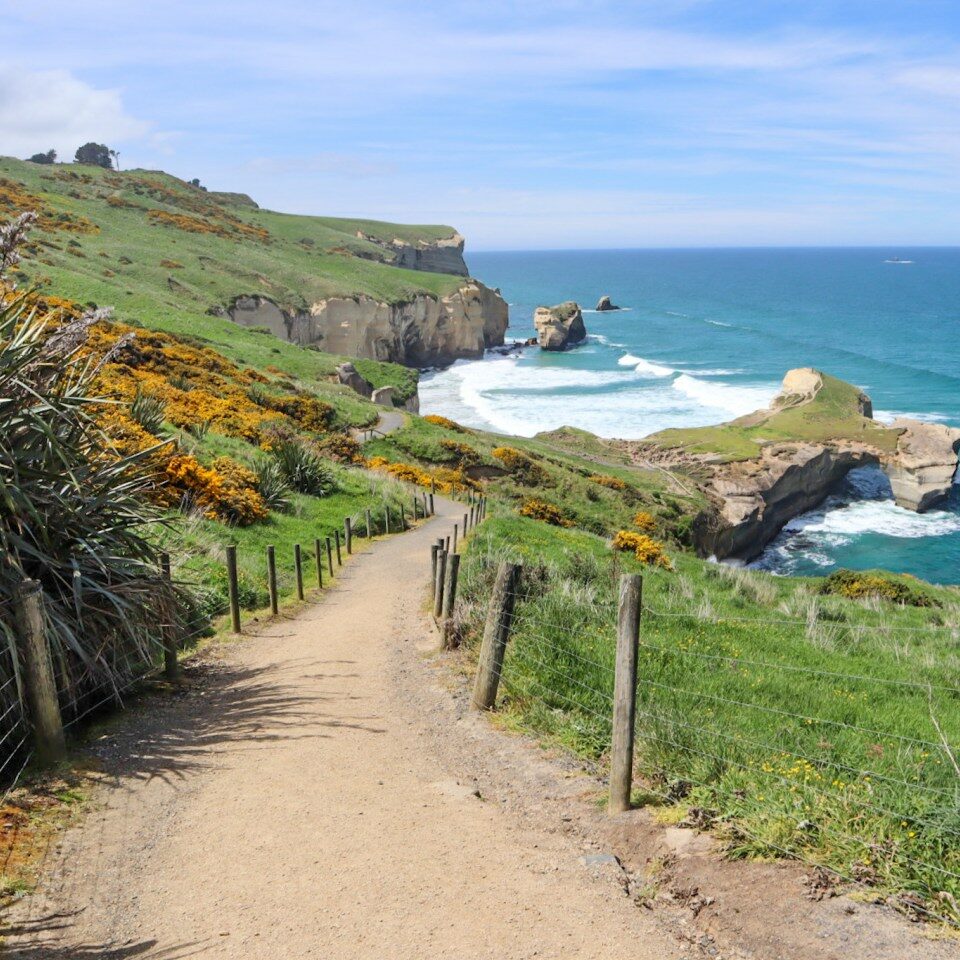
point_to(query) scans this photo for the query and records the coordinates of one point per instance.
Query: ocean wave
(646, 368)
(888, 416)
(842, 524)
(718, 323)
(725, 397)
(518, 395)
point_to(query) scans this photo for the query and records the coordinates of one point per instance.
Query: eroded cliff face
(439, 256)
(427, 331)
(753, 498)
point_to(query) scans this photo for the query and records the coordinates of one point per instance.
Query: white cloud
(51, 108)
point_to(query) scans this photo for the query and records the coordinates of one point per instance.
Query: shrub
(148, 411)
(272, 485)
(231, 497)
(464, 454)
(858, 586)
(73, 512)
(613, 483)
(644, 521)
(444, 422)
(522, 468)
(541, 510)
(626, 540)
(341, 447)
(302, 468)
(651, 553)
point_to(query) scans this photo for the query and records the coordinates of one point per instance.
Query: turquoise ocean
(707, 335)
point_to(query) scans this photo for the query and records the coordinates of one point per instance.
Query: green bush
(859, 586)
(303, 469)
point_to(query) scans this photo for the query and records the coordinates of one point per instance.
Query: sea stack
(605, 303)
(560, 326)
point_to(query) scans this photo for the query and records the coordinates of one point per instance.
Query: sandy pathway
(287, 808)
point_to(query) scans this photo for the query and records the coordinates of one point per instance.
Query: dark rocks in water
(604, 304)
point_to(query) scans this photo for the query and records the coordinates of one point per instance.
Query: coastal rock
(422, 332)
(923, 469)
(383, 396)
(438, 256)
(824, 430)
(604, 303)
(349, 376)
(560, 326)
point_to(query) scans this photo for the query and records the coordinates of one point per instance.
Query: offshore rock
(559, 327)
(604, 304)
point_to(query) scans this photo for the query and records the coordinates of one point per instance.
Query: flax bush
(73, 512)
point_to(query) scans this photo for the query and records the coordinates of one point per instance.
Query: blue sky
(526, 125)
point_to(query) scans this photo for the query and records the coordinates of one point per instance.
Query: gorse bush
(303, 469)
(73, 514)
(860, 586)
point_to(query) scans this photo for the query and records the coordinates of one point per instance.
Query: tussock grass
(804, 726)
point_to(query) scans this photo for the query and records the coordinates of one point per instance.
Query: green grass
(566, 481)
(306, 259)
(796, 724)
(832, 415)
(198, 545)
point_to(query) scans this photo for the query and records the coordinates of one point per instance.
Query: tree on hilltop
(95, 154)
(49, 157)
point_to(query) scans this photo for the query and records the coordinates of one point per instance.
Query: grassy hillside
(162, 253)
(781, 714)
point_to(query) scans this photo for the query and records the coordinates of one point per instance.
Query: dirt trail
(287, 807)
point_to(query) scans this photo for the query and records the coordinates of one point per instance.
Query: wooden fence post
(369, 525)
(415, 517)
(171, 669)
(403, 518)
(495, 636)
(41, 689)
(318, 550)
(425, 514)
(272, 580)
(433, 509)
(386, 518)
(450, 593)
(625, 692)
(438, 583)
(455, 537)
(330, 557)
(298, 567)
(465, 526)
(348, 534)
(233, 588)
(336, 534)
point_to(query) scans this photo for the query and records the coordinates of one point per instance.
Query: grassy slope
(742, 718)
(306, 259)
(832, 415)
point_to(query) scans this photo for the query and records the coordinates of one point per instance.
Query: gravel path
(289, 806)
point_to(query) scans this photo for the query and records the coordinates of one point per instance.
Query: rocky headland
(560, 326)
(422, 332)
(762, 470)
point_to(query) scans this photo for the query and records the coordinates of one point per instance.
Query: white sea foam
(718, 323)
(888, 416)
(724, 397)
(840, 524)
(518, 395)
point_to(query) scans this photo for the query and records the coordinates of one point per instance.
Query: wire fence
(848, 771)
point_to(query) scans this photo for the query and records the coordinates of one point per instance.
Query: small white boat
(897, 260)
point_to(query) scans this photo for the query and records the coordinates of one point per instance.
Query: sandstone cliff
(764, 469)
(559, 327)
(439, 256)
(426, 331)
